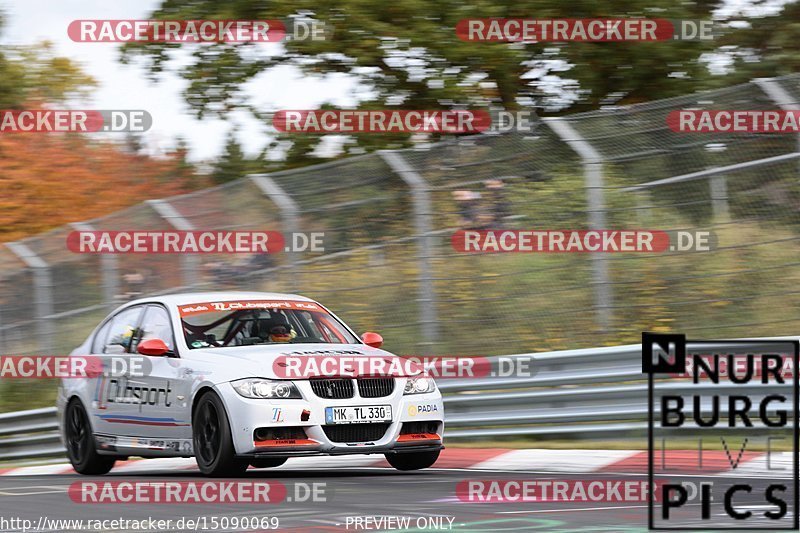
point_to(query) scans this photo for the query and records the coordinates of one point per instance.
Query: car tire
(412, 460)
(213, 444)
(268, 462)
(79, 440)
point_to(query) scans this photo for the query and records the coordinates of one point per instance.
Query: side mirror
(372, 339)
(154, 347)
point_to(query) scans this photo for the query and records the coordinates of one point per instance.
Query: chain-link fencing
(388, 218)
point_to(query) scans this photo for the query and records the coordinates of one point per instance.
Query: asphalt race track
(351, 492)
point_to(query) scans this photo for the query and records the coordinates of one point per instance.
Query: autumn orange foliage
(47, 180)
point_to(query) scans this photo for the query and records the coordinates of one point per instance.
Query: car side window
(156, 325)
(123, 330)
(99, 341)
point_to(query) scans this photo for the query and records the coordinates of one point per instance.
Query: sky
(128, 86)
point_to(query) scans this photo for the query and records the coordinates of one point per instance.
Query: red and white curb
(714, 462)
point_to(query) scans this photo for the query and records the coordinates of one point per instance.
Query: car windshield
(243, 323)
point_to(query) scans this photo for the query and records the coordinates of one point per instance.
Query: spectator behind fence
(499, 206)
(133, 285)
(468, 206)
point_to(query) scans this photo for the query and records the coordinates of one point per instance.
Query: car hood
(268, 360)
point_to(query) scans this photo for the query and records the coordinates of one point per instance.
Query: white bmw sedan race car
(243, 378)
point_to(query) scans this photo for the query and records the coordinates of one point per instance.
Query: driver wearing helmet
(281, 333)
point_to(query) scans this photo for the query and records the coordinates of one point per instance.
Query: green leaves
(35, 74)
(407, 53)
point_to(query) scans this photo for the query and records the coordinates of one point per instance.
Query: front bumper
(349, 451)
(246, 415)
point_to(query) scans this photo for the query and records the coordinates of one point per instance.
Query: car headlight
(419, 385)
(265, 388)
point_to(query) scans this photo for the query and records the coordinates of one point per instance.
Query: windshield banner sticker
(211, 307)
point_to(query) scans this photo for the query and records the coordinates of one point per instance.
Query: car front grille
(335, 389)
(375, 387)
(342, 388)
(355, 432)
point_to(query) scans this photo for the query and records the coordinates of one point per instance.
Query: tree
(53, 179)
(185, 173)
(31, 75)
(407, 53)
(48, 77)
(50, 179)
(232, 164)
(768, 46)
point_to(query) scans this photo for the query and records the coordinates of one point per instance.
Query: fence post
(109, 269)
(42, 294)
(780, 96)
(290, 215)
(421, 198)
(593, 176)
(189, 262)
(719, 197)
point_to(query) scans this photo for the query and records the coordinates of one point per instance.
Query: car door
(163, 410)
(113, 403)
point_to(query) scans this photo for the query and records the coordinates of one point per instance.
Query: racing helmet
(281, 333)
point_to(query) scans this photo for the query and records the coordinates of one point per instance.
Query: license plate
(358, 415)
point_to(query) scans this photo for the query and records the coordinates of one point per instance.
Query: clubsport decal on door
(117, 390)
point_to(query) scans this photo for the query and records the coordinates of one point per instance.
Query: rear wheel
(268, 462)
(213, 444)
(81, 449)
(412, 460)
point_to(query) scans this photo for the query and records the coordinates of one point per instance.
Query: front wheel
(213, 444)
(81, 449)
(412, 460)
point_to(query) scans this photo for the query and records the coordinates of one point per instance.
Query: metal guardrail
(589, 392)
(29, 435)
(593, 392)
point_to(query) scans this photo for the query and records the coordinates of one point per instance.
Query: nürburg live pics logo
(722, 432)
